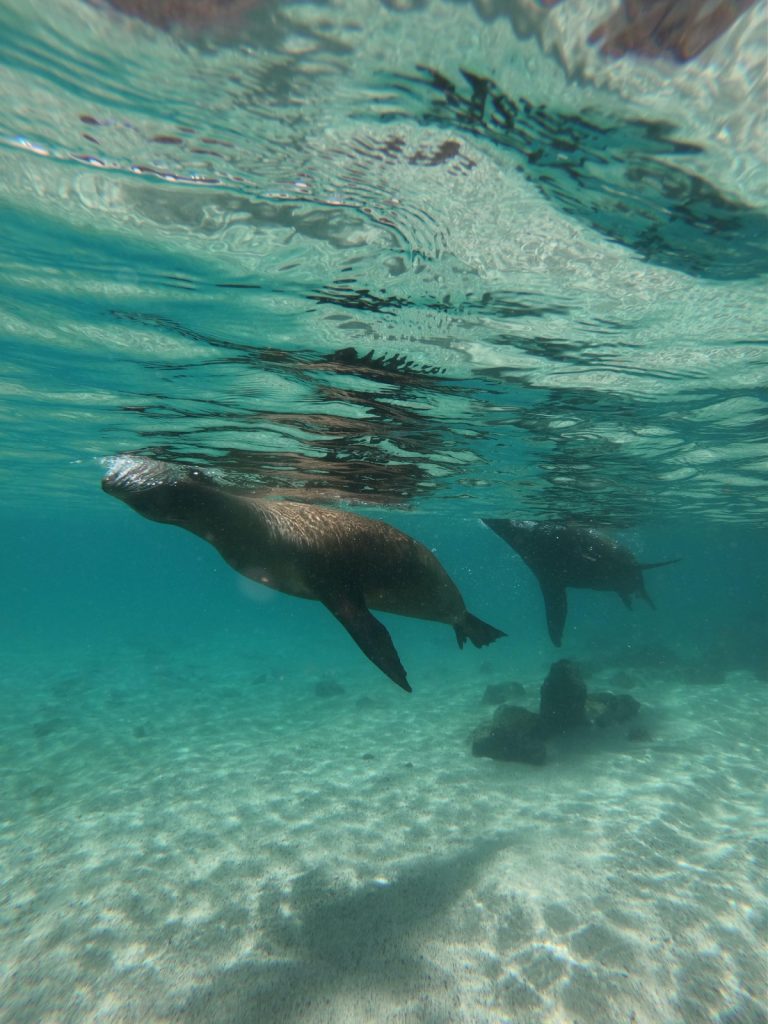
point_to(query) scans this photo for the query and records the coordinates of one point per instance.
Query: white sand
(179, 845)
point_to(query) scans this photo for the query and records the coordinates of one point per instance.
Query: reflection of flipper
(556, 604)
(368, 633)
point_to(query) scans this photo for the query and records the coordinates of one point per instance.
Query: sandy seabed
(197, 847)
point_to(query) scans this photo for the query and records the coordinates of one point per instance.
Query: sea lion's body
(350, 563)
(305, 550)
(564, 555)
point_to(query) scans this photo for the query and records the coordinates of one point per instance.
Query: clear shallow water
(445, 274)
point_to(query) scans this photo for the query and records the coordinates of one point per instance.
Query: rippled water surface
(404, 255)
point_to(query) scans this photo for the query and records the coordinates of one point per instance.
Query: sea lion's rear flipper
(368, 633)
(556, 605)
(642, 566)
(479, 632)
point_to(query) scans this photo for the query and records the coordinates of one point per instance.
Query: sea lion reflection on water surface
(348, 562)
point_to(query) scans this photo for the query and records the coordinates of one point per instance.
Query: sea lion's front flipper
(556, 604)
(368, 633)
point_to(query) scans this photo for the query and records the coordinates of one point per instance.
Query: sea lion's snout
(163, 491)
(152, 488)
(128, 473)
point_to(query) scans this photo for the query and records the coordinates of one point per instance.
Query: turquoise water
(429, 263)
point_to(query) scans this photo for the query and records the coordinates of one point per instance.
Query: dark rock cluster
(611, 708)
(517, 734)
(562, 705)
(513, 734)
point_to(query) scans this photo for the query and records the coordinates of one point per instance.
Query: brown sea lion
(350, 563)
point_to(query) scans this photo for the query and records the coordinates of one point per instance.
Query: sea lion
(350, 563)
(564, 555)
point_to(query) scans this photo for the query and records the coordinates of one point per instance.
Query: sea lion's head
(167, 492)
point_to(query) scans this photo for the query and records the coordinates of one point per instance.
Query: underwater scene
(384, 546)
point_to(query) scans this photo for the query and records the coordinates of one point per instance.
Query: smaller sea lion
(348, 562)
(564, 555)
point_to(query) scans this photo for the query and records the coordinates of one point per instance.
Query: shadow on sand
(337, 947)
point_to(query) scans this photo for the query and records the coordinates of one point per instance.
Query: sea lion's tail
(474, 629)
(641, 591)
